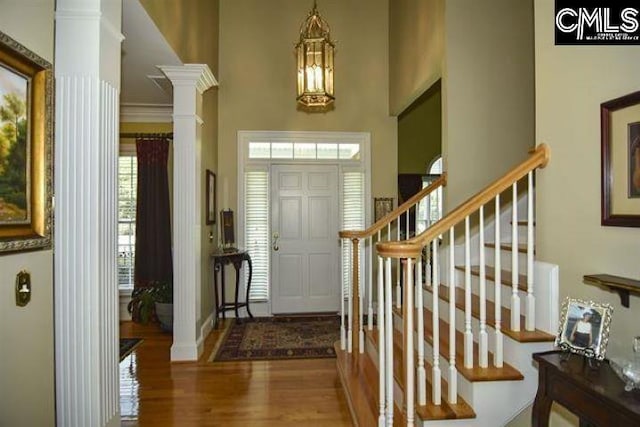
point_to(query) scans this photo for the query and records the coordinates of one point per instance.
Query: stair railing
(387, 228)
(443, 233)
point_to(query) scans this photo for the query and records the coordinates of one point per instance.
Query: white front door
(305, 251)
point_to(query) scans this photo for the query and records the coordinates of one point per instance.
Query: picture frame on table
(620, 167)
(26, 140)
(584, 328)
(227, 228)
(210, 203)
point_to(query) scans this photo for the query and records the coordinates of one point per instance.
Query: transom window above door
(304, 150)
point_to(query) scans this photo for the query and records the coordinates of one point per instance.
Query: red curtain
(153, 260)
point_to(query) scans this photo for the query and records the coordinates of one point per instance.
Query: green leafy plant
(142, 304)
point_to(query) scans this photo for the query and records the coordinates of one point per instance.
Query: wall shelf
(622, 285)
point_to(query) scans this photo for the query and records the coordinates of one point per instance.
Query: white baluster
(381, 342)
(398, 270)
(406, 224)
(350, 301)
(388, 317)
(422, 374)
(343, 333)
(483, 338)
(370, 284)
(408, 344)
(531, 302)
(437, 375)
(468, 333)
(498, 357)
(453, 372)
(379, 307)
(362, 286)
(515, 298)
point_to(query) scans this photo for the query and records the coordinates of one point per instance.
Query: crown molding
(146, 113)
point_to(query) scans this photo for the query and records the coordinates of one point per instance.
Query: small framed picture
(226, 223)
(584, 328)
(211, 198)
(382, 206)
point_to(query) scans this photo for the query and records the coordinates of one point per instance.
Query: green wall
(420, 132)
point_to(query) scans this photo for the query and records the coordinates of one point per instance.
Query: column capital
(198, 75)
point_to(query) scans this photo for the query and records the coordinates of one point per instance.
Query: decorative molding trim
(146, 113)
(199, 75)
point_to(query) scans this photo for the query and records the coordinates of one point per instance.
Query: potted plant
(163, 298)
(157, 298)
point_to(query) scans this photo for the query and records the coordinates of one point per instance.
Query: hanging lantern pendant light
(315, 52)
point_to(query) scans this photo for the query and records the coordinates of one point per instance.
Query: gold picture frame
(584, 328)
(26, 114)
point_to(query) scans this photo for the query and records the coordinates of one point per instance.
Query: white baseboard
(207, 325)
(185, 352)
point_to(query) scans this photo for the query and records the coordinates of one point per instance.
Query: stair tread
(360, 385)
(490, 373)
(520, 336)
(490, 274)
(428, 412)
(506, 246)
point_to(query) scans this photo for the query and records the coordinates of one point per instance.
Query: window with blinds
(256, 229)
(127, 187)
(353, 194)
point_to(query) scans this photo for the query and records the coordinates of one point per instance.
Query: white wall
(26, 333)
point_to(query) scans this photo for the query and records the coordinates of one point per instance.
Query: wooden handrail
(411, 248)
(391, 216)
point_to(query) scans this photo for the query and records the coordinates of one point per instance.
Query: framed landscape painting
(26, 105)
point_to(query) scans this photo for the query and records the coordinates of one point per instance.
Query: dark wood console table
(596, 396)
(220, 259)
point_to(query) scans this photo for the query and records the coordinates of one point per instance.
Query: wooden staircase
(459, 352)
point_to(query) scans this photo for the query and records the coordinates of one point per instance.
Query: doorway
(296, 191)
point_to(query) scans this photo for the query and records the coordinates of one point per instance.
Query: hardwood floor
(155, 392)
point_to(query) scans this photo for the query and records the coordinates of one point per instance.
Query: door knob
(274, 245)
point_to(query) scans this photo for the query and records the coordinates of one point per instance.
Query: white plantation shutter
(127, 188)
(256, 226)
(353, 211)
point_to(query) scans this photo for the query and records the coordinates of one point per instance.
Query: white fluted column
(189, 83)
(87, 71)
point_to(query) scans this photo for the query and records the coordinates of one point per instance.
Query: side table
(595, 395)
(219, 260)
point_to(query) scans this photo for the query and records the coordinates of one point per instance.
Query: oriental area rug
(279, 338)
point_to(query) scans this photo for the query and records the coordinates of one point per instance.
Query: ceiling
(143, 49)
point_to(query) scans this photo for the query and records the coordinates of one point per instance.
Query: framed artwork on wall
(382, 206)
(26, 135)
(620, 147)
(210, 203)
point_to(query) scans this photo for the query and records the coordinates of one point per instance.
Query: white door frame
(244, 163)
